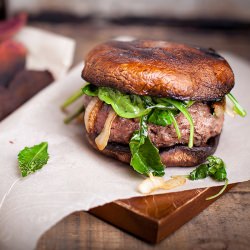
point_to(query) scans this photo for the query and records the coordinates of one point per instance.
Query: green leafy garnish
(215, 168)
(219, 193)
(178, 132)
(31, 159)
(127, 106)
(160, 117)
(163, 117)
(189, 103)
(200, 172)
(72, 99)
(162, 111)
(180, 106)
(90, 90)
(68, 119)
(145, 156)
(237, 108)
(159, 111)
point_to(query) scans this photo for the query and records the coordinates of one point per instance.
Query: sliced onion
(150, 184)
(89, 115)
(154, 183)
(229, 108)
(102, 139)
(219, 108)
(174, 182)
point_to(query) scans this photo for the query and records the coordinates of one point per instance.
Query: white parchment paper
(78, 178)
(47, 51)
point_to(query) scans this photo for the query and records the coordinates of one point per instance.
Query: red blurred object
(11, 26)
(17, 84)
(12, 60)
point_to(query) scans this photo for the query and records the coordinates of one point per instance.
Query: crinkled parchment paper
(78, 178)
(47, 51)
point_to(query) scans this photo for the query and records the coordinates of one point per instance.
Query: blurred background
(222, 25)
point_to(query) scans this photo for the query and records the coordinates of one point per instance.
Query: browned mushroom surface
(159, 68)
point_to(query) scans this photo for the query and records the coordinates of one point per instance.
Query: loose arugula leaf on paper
(215, 168)
(31, 159)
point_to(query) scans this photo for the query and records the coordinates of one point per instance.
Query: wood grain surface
(223, 225)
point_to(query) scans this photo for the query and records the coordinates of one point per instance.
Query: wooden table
(223, 225)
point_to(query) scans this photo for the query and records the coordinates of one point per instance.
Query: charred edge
(175, 156)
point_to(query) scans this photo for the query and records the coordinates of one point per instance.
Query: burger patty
(206, 125)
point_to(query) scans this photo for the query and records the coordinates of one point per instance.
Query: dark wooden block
(12, 60)
(25, 84)
(152, 218)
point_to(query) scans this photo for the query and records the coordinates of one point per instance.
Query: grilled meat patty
(206, 124)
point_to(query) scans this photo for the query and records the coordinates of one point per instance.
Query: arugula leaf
(163, 117)
(200, 172)
(127, 106)
(145, 156)
(160, 117)
(68, 102)
(237, 108)
(189, 103)
(72, 99)
(220, 174)
(178, 132)
(220, 192)
(90, 90)
(31, 159)
(179, 105)
(68, 119)
(215, 168)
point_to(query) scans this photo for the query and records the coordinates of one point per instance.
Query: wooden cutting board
(152, 218)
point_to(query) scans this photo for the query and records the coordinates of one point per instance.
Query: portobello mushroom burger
(156, 103)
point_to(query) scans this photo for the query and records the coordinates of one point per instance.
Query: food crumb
(11, 142)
